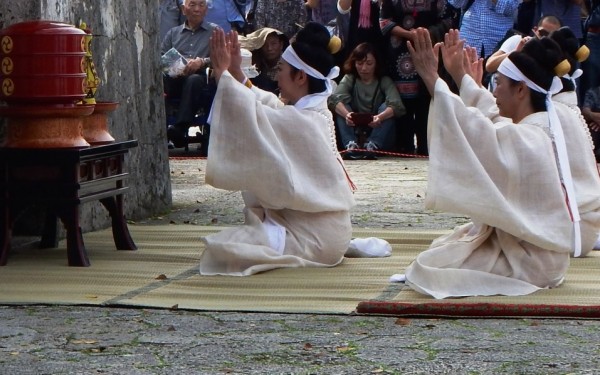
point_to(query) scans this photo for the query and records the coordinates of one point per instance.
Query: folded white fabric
(398, 278)
(370, 247)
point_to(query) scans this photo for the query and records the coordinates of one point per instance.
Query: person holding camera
(365, 101)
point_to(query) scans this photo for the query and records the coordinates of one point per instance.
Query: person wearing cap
(503, 174)
(282, 157)
(266, 45)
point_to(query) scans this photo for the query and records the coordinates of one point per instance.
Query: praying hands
(425, 57)
(225, 54)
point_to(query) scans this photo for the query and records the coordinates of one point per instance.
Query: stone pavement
(92, 340)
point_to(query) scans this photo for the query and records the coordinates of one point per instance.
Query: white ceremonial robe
(584, 170)
(504, 176)
(296, 192)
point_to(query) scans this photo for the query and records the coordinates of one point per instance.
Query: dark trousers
(193, 92)
(414, 123)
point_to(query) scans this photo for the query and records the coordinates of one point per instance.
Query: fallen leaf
(15, 353)
(308, 346)
(161, 277)
(91, 296)
(403, 322)
(377, 371)
(171, 329)
(84, 341)
(343, 349)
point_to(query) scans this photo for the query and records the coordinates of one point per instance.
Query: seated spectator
(364, 89)
(591, 112)
(359, 23)
(192, 40)
(266, 45)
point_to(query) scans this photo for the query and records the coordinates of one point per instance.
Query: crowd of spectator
(386, 26)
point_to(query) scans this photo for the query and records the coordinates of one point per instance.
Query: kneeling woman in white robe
(502, 174)
(573, 134)
(283, 158)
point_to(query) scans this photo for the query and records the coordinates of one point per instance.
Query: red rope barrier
(387, 153)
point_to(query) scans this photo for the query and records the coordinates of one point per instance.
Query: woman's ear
(522, 90)
(301, 77)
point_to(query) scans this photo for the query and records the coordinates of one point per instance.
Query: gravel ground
(96, 340)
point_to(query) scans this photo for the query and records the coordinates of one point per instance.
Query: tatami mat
(163, 273)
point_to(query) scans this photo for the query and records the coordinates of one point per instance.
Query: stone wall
(126, 54)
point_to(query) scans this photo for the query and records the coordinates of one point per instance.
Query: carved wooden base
(45, 126)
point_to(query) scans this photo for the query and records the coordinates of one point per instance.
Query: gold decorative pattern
(8, 87)
(7, 66)
(6, 44)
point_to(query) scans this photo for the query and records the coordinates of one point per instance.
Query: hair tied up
(562, 68)
(582, 53)
(335, 44)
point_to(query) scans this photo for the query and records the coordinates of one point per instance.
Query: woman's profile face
(287, 87)
(505, 96)
(366, 67)
(272, 48)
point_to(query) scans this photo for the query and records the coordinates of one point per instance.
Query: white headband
(509, 69)
(311, 100)
(576, 74)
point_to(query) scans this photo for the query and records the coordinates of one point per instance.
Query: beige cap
(257, 39)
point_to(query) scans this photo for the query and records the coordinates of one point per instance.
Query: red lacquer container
(42, 62)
